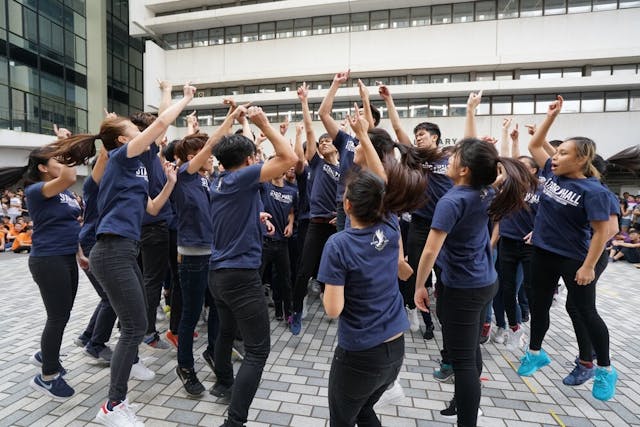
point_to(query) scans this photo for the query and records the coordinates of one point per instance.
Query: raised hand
(299, 129)
(364, 92)
(188, 90)
(284, 126)
(260, 139)
(555, 107)
(515, 133)
(506, 123)
(357, 122)
(61, 133)
(474, 100)
(108, 115)
(489, 139)
(341, 77)
(229, 101)
(164, 84)
(303, 92)
(531, 129)
(383, 90)
(258, 117)
(171, 172)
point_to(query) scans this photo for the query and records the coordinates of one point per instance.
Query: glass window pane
(232, 34)
(185, 40)
(400, 18)
(484, 76)
(592, 102)
(529, 74)
(418, 107)
(418, 80)
(216, 36)
(4, 73)
(604, 70)
(267, 30)
(360, 21)
(380, 20)
(483, 109)
(340, 110)
(459, 77)
(283, 87)
(629, 3)
(438, 107)
(504, 75)
(551, 73)
(571, 103)
(81, 50)
(249, 33)
(200, 38)
(555, 7)
(599, 5)
(397, 80)
(171, 40)
(634, 100)
(232, 91)
(420, 16)
(523, 104)
(321, 25)
(285, 29)
(302, 27)
(485, 10)
(572, 72)
(462, 12)
(624, 70)
(616, 101)
(508, 9)
(24, 77)
(440, 78)
(339, 24)
(542, 103)
(267, 88)
(500, 105)
(458, 107)
(441, 14)
(579, 6)
(530, 8)
(402, 108)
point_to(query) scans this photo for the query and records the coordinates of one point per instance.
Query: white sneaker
(160, 314)
(123, 415)
(304, 308)
(391, 396)
(141, 372)
(414, 320)
(499, 335)
(515, 339)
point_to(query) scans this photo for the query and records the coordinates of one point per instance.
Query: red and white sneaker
(122, 415)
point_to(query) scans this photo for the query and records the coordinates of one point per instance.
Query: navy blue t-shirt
(438, 183)
(123, 195)
(157, 180)
(323, 191)
(55, 222)
(235, 209)
(567, 206)
(518, 224)
(193, 209)
(346, 146)
(365, 262)
(304, 183)
(465, 257)
(278, 201)
(90, 195)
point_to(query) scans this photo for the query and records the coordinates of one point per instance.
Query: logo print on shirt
(438, 169)
(68, 200)
(142, 173)
(379, 240)
(333, 174)
(204, 182)
(351, 146)
(281, 197)
(561, 195)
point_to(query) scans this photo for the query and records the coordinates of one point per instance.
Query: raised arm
(155, 205)
(470, 130)
(165, 97)
(537, 143)
(360, 127)
(297, 148)
(311, 150)
(142, 141)
(324, 111)
(64, 180)
(192, 123)
(504, 137)
(366, 103)
(394, 117)
(515, 142)
(203, 155)
(284, 157)
(101, 164)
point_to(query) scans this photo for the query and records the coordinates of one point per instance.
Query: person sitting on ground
(629, 250)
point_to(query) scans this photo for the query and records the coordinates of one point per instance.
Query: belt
(321, 220)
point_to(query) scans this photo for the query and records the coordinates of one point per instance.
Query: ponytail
(11, 175)
(518, 181)
(365, 192)
(30, 173)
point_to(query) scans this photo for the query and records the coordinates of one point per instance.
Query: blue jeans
(194, 273)
(239, 299)
(113, 261)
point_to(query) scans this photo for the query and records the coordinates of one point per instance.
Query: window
(418, 107)
(529, 74)
(402, 108)
(440, 78)
(571, 103)
(232, 91)
(616, 101)
(216, 36)
(485, 10)
(462, 12)
(252, 89)
(419, 80)
(400, 18)
(441, 14)
(340, 110)
(398, 80)
(599, 5)
(555, 7)
(321, 25)
(283, 87)
(340, 24)
(458, 107)
(604, 70)
(360, 21)
(523, 104)
(634, 100)
(579, 6)
(290, 111)
(508, 9)
(185, 40)
(542, 103)
(439, 107)
(500, 105)
(624, 70)
(629, 3)
(232, 34)
(380, 20)
(551, 73)
(200, 38)
(24, 77)
(250, 32)
(302, 27)
(484, 76)
(285, 29)
(592, 102)
(459, 77)
(420, 16)
(530, 8)
(503, 75)
(572, 72)
(267, 30)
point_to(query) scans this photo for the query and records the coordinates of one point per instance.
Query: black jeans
(276, 254)
(57, 279)
(341, 216)
(358, 379)
(512, 252)
(113, 261)
(416, 238)
(173, 276)
(239, 299)
(317, 236)
(464, 311)
(591, 331)
(98, 331)
(154, 249)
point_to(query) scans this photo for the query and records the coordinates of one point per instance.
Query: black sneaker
(525, 316)
(192, 385)
(450, 411)
(278, 310)
(208, 358)
(221, 391)
(428, 333)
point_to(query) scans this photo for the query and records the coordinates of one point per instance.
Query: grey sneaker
(101, 355)
(154, 340)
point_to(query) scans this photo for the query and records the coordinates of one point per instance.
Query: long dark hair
(406, 178)
(365, 191)
(30, 173)
(482, 159)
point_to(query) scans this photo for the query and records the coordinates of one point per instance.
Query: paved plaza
(293, 391)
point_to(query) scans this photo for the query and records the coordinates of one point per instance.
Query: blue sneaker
(444, 374)
(579, 375)
(295, 323)
(57, 388)
(604, 386)
(532, 362)
(36, 360)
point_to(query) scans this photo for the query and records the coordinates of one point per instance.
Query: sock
(48, 378)
(587, 365)
(534, 352)
(608, 368)
(515, 328)
(112, 404)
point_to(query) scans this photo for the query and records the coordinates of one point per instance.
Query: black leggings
(511, 253)
(57, 279)
(591, 331)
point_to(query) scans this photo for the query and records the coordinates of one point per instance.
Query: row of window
(216, 6)
(586, 102)
(520, 74)
(483, 10)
